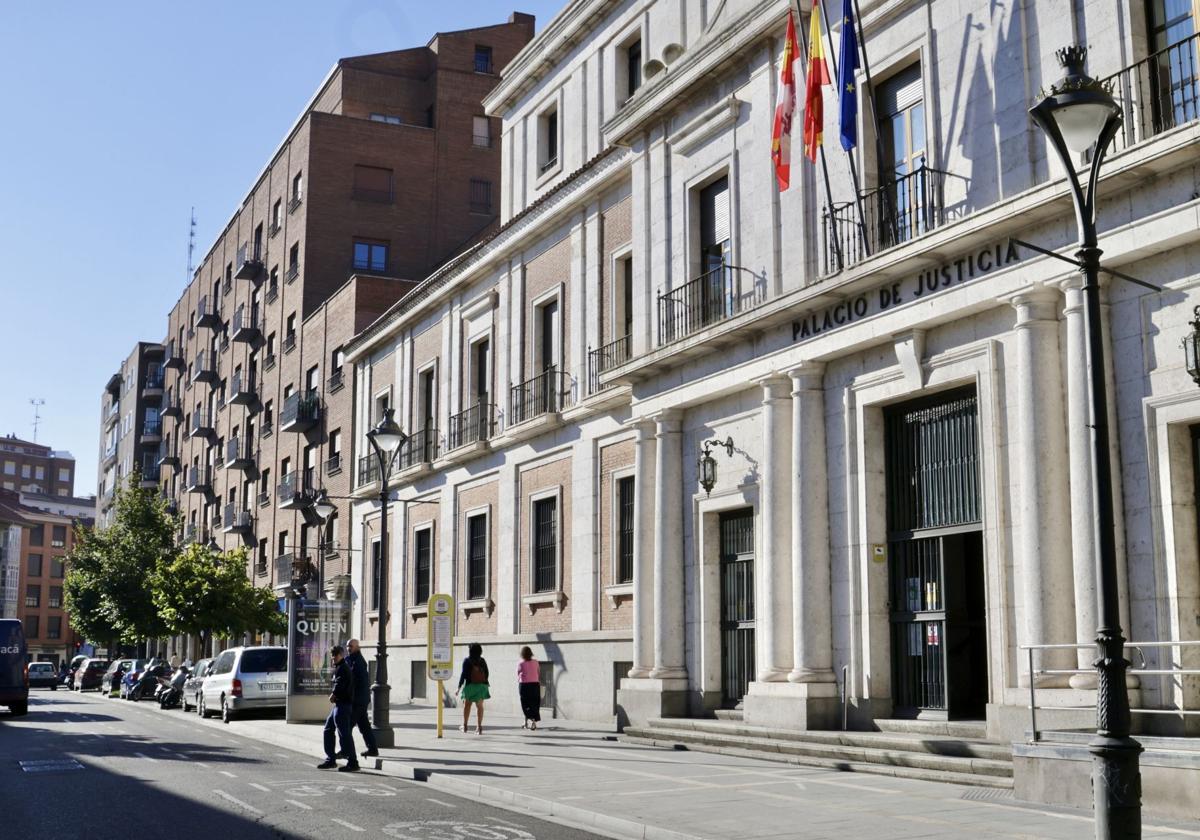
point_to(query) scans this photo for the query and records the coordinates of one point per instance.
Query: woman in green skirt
(473, 685)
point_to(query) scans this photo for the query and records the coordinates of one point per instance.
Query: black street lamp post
(1077, 113)
(385, 439)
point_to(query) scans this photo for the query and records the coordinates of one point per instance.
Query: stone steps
(914, 756)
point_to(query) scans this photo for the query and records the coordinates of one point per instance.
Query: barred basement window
(421, 580)
(477, 557)
(625, 530)
(545, 545)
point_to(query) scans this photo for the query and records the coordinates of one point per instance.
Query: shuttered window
(477, 557)
(714, 223)
(372, 183)
(421, 580)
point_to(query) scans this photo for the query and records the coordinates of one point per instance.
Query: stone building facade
(891, 388)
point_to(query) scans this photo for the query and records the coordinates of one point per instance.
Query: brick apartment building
(391, 169)
(130, 424)
(32, 467)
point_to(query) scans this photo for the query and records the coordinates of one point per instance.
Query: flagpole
(862, 217)
(837, 243)
(866, 67)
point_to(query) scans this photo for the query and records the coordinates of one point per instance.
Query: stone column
(668, 549)
(1084, 550)
(812, 615)
(1044, 547)
(773, 629)
(644, 453)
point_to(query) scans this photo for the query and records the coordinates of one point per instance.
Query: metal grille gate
(933, 502)
(737, 603)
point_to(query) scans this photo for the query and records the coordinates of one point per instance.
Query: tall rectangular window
(55, 598)
(483, 58)
(901, 116)
(633, 68)
(477, 545)
(423, 549)
(31, 626)
(481, 196)
(53, 626)
(297, 187)
(56, 568)
(376, 560)
(714, 225)
(34, 565)
(625, 530)
(545, 545)
(548, 139)
(481, 132)
(370, 256)
(37, 535)
(33, 595)
(372, 183)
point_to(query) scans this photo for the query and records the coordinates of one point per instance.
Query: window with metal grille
(372, 183)
(625, 529)
(421, 578)
(483, 59)
(477, 556)
(481, 195)
(545, 545)
(376, 559)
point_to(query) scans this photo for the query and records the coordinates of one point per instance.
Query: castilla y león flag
(814, 101)
(785, 108)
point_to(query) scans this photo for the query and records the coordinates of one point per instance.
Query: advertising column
(313, 628)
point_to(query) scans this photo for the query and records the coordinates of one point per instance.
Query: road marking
(350, 826)
(299, 804)
(506, 822)
(440, 802)
(283, 755)
(263, 788)
(50, 766)
(237, 801)
(202, 764)
(227, 773)
(143, 755)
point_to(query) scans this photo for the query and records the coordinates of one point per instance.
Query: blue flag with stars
(847, 87)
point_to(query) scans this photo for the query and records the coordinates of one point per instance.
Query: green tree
(83, 588)
(201, 590)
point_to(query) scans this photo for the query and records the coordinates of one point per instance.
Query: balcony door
(1174, 70)
(901, 214)
(714, 295)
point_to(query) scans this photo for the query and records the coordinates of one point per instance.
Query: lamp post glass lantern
(385, 439)
(1077, 114)
(1191, 347)
(706, 467)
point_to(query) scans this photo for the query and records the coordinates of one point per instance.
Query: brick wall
(618, 456)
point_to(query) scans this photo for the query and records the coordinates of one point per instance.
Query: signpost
(439, 637)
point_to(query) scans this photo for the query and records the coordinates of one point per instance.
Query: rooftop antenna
(191, 247)
(36, 402)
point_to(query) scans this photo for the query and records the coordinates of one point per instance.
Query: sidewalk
(580, 775)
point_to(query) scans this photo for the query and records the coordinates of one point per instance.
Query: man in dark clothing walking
(342, 698)
(362, 697)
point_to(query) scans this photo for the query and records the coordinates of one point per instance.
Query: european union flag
(847, 87)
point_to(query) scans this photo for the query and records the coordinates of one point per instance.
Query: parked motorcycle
(148, 684)
(171, 695)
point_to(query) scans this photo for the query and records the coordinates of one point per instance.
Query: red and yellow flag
(814, 100)
(785, 109)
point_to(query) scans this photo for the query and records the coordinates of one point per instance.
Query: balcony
(249, 262)
(190, 534)
(715, 296)
(113, 386)
(152, 388)
(239, 454)
(336, 382)
(246, 325)
(291, 567)
(268, 362)
(149, 471)
(242, 390)
(166, 457)
(272, 291)
(476, 425)
(293, 272)
(171, 407)
(264, 498)
(1158, 93)
(611, 355)
(546, 394)
(173, 357)
(333, 464)
(110, 455)
(208, 314)
(112, 414)
(151, 430)
(421, 448)
(294, 203)
(368, 471)
(202, 424)
(301, 412)
(236, 521)
(297, 489)
(199, 480)
(289, 342)
(205, 368)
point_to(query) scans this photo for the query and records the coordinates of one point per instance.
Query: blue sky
(118, 118)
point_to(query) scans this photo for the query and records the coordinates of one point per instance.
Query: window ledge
(484, 605)
(618, 591)
(419, 611)
(544, 178)
(557, 599)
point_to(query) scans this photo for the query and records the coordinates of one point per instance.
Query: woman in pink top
(530, 687)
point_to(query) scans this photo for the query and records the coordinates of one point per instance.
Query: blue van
(14, 679)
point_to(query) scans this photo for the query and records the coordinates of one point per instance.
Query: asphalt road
(88, 767)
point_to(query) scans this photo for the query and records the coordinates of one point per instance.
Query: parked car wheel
(226, 712)
(201, 708)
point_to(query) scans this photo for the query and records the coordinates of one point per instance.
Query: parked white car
(245, 678)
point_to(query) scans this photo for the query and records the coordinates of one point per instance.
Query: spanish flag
(785, 109)
(818, 75)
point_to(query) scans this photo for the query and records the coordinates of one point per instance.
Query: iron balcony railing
(268, 361)
(245, 323)
(154, 378)
(171, 406)
(272, 290)
(198, 479)
(289, 342)
(205, 368)
(611, 355)
(548, 165)
(150, 467)
(172, 357)
(421, 448)
(336, 381)
(190, 533)
(152, 427)
(201, 423)
(249, 261)
(547, 393)
(293, 203)
(896, 212)
(167, 457)
(368, 470)
(110, 452)
(482, 141)
(264, 498)
(483, 63)
(114, 411)
(301, 411)
(207, 313)
(475, 425)
(333, 464)
(293, 272)
(715, 296)
(239, 452)
(236, 519)
(241, 388)
(1158, 93)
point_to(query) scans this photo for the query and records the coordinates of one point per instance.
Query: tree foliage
(201, 590)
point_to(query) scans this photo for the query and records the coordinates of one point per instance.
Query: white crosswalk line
(440, 802)
(227, 773)
(350, 826)
(263, 788)
(298, 804)
(237, 802)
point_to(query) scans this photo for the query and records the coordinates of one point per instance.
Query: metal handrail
(605, 358)
(1158, 93)
(1035, 735)
(717, 295)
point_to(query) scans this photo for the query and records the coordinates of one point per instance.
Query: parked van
(245, 678)
(14, 673)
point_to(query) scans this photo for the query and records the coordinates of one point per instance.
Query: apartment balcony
(333, 464)
(293, 272)
(239, 454)
(368, 471)
(110, 455)
(190, 534)
(272, 291)
(472, 427)
(151, 430)
(246, 326)
(1158, 93)
(289, 342)
(152, 388)
(112, 414)
(113, 386)
(208, 314)
(242, 388)
(249, 262)
(171, 504)
(336, 382)
(205, 368)
(166, 456)
(237, 521)
(717, 295)
(296, 490)
(291, 567)
(545, 395)
(420, 450)
(301, 411)
(149, 471)
(268, 362)
(202, 424)
(264, 498)
(605, 358)
(173, 357)
(199, 480)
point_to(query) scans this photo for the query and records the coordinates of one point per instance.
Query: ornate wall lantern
(707, 465)
(1191, 347)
